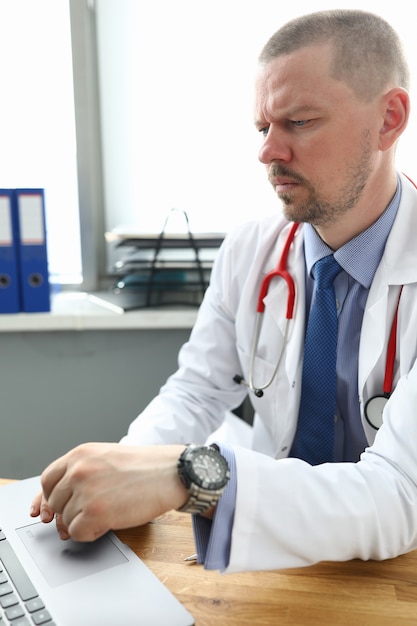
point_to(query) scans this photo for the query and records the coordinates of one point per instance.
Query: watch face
(208, 469)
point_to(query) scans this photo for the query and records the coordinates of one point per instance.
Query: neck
(366, 212)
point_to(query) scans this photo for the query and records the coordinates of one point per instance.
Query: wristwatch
(205, 472)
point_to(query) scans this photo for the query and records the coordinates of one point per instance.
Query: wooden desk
(355, 593)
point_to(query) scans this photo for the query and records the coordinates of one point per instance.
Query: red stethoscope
(375, 405)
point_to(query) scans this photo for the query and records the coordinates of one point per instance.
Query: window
(163, 94)
(176, 94)
(37, 125)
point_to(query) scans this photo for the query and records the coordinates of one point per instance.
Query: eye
(299, 123)
(264, 131)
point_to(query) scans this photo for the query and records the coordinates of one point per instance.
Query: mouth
(283, 184)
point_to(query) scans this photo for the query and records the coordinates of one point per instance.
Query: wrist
(170, 490)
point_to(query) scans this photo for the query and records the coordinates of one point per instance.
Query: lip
(283, 180)
(284, 184)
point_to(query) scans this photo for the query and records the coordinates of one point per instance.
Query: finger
(62, 528)
(35, 507)
(40, 507)
(47, 514)
(85, 517)
(52, 475)
(84, 529)
(56, 487)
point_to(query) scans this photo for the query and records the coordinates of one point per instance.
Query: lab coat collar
(398, 267)
(399, 263)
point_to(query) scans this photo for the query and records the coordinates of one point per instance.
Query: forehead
(300, 79)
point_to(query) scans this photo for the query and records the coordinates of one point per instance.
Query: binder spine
(34, 277)
(10, 295)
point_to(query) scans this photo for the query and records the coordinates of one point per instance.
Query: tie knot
(325, 271)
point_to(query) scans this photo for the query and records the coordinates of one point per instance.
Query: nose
(274, 147)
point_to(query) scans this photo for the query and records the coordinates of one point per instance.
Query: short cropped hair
(368, 54)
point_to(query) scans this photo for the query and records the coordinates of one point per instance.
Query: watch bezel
(190, 476)
(203, 494)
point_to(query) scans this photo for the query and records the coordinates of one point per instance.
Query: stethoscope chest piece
(374, 409)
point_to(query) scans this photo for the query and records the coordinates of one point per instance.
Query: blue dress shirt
(359, 259)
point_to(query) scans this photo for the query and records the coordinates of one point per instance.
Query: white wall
(176, 84)
(60, 389)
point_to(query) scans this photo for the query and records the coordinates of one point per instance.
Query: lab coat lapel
(398, 267)
(373, 331)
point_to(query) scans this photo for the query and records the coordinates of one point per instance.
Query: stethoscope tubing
(279, 272)
(258, 389)
(375, 404)
(391, 352)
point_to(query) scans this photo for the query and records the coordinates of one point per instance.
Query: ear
(395, 110)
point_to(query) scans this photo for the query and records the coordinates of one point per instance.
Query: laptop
(47, 581)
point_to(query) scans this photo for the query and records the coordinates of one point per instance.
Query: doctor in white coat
(330, 115)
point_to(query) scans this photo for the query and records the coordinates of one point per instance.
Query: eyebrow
(300, 110)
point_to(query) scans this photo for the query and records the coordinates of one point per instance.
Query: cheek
(339, 153)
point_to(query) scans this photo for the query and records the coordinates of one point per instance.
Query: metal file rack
(165, 268)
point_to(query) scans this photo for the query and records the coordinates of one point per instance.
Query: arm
(289, 514)
(192, 403)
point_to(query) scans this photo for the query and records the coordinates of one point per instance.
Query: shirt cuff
(213, 538)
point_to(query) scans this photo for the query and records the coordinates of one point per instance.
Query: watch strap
(200, 501)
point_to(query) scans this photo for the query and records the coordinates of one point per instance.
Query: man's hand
(101, 486)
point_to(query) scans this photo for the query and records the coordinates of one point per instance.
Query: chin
(292, 215)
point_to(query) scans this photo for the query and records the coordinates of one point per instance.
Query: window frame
(89, 155)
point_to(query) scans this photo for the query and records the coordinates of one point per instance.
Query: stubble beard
(316, 209)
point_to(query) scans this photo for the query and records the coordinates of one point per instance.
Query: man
(331, 104)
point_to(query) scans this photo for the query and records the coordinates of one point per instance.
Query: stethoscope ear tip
(258, 393)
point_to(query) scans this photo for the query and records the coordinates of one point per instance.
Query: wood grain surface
(355, 593)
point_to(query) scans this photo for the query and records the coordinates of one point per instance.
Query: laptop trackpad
(63, 562)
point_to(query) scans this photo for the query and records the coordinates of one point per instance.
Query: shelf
(167, 240)
(79, 311)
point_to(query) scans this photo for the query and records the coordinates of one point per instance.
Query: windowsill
(81, 311)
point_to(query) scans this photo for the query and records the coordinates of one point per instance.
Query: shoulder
(254, 234)
(408, 192)
(252, 249)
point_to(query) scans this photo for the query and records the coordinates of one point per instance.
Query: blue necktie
(314, 439)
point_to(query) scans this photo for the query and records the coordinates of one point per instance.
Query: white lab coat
(289, 514)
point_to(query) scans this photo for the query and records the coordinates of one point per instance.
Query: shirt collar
(360, 256)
